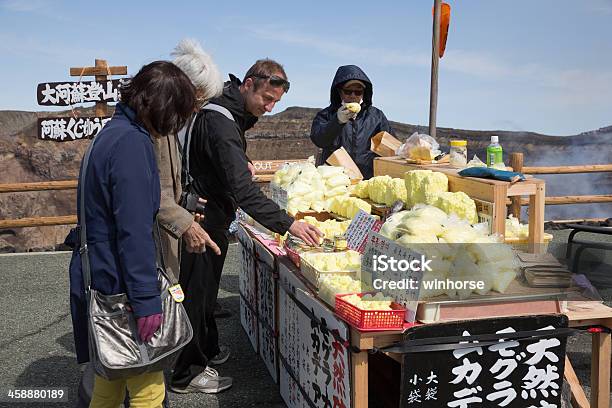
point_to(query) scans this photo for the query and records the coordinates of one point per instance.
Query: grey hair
(199, 67)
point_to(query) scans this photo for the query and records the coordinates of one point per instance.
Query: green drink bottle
(494, 152)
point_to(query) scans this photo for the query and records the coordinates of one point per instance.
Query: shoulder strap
(83, 250)
(218, 108)
(184, 140)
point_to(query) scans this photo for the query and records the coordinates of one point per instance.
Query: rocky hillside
(24, 158)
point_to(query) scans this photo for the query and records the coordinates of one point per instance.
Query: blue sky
(543, 66)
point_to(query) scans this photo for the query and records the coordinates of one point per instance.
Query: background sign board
(72, 93)
(63, 129)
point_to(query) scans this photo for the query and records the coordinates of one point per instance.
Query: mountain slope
(24, 158)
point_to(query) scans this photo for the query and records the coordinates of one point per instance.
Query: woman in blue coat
(122, 195)
(336, 126)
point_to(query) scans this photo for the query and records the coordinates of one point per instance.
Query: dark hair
(264, 68)
(161, 95)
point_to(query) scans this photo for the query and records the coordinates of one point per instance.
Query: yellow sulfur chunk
(332, 285)
(353, 107)
(369, 302)
(458, 203)
(361, 189)
(347, 261)
(423, 186)
(502, 280)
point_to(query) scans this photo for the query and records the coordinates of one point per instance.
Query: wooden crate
(487, 190)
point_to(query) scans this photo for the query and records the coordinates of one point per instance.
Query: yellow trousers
(146, 391)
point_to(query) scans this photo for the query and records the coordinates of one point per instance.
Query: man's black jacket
(218, 165)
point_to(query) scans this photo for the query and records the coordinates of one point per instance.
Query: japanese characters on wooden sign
(315, 364)
(325, 374)
(61, 129)
(266, 301)
(72, 93)
(100, 91)
(247, 287)
(515, 373)
(289, 351)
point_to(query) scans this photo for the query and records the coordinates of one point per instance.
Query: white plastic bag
(416, 146)
(476, 162)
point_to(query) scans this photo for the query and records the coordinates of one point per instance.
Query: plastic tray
(313, 275)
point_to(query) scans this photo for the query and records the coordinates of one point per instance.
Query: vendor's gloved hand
(148, 325)
(344, 114)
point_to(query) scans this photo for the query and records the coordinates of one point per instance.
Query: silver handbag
(115, 348)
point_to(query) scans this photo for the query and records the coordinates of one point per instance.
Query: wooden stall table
(580, 314)
(489, 190)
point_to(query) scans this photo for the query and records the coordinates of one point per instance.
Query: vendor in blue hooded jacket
(336, 126)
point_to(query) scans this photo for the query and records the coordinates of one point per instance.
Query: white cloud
(601, 6)
(565, 87)
(27, 46)
(23, 6)
(341, 49)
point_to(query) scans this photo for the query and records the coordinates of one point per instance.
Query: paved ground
(36, 348)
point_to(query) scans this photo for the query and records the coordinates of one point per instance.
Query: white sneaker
(208, 382)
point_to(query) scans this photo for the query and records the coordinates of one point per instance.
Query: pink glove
(148, 325)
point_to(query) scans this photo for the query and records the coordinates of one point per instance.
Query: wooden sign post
(101, 71)
(100, 91)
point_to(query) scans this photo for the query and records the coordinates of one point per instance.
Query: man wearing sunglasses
(337, 126)
(221, 173)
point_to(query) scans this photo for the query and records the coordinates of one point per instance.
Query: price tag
(359, 228)
(377, 270)
(177, 293)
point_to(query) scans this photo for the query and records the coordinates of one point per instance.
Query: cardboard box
(341, 158)
(384, 144)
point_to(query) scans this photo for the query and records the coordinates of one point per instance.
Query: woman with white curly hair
(199, 67)
(176, 222)
(179, 226)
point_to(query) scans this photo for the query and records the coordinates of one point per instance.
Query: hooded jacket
(329, 134)
(218, 165)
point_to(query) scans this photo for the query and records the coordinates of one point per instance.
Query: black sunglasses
(356, 92)
(275, 80)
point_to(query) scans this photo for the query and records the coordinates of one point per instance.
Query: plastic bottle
(458, 153)
(494, 152)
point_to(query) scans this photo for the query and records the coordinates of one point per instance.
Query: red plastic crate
(370, 319)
